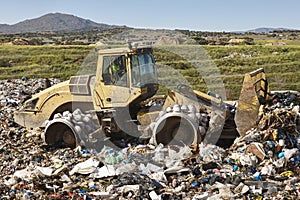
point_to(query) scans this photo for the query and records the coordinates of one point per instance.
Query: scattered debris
(264, 163)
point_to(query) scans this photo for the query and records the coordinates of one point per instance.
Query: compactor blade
(254, 93)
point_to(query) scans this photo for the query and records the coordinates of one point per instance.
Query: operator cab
(124, 76)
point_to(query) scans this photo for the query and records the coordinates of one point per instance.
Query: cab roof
(125, 50)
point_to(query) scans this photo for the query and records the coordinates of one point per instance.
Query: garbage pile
(263, 164)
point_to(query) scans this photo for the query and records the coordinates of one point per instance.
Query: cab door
(113, 87)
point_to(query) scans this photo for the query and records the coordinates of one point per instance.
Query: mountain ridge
(267, 30)
(55, 22)
(60, 22)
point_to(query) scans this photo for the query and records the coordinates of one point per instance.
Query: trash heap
(268, 156)
(264, 163)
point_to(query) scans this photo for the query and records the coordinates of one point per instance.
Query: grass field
(201, 67)
(41, 61)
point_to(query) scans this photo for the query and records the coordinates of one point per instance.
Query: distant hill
(267, 30)
(54, 22)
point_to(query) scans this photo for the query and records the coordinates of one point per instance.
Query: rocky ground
(264, 164)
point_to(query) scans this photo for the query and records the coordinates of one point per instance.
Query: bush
(5, 63)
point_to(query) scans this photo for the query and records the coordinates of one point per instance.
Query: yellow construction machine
(121, 98)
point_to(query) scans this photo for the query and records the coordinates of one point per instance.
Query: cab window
(143, 70)
(114, 70)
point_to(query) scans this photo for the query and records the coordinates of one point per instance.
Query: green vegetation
(41, 61)
(225, 63)
(281, 64)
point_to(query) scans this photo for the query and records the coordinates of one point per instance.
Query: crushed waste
(262, 164)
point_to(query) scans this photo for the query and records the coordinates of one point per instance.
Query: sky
(199, 15)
